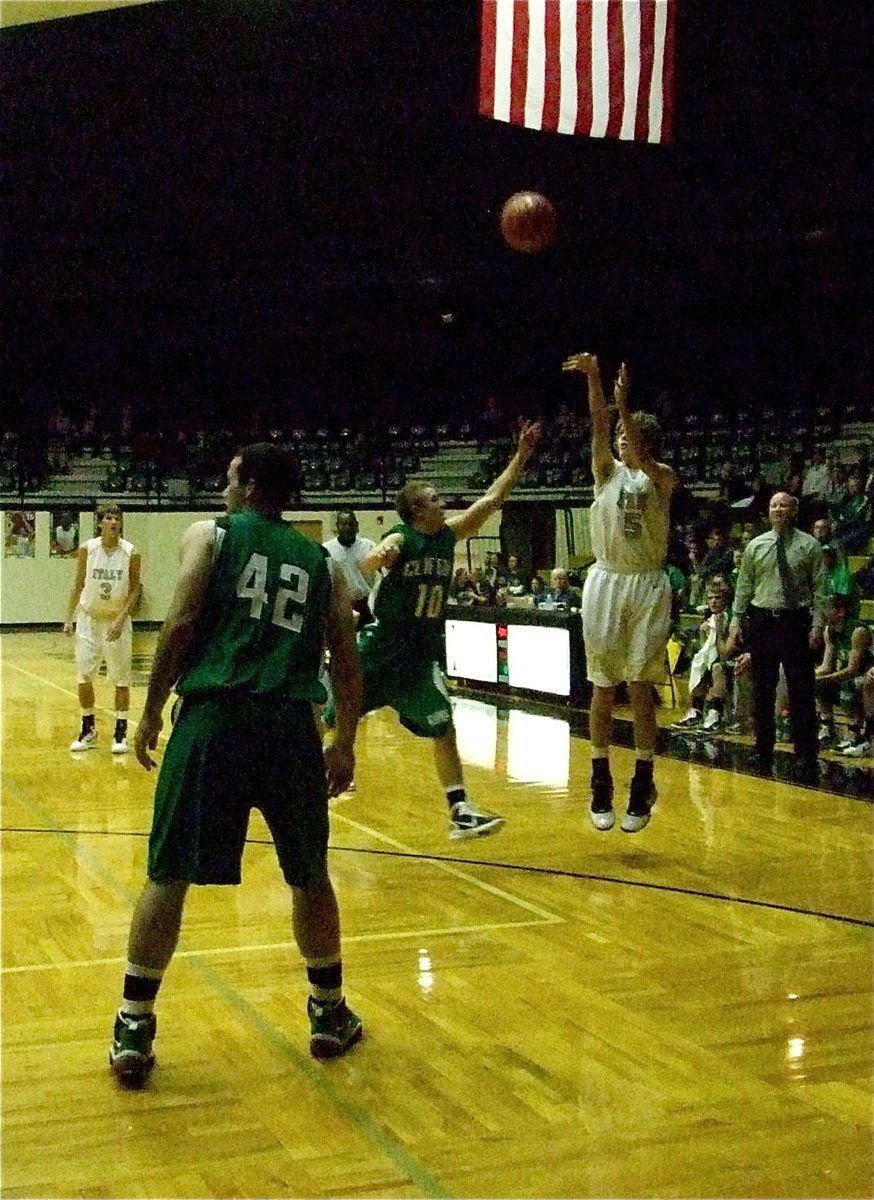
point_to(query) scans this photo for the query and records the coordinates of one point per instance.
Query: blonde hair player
(104, 594)
(626, 605)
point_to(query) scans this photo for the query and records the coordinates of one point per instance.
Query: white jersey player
(104, 594)
(626, 605)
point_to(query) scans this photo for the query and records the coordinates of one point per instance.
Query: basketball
(528, 222)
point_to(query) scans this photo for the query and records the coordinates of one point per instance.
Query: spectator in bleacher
(816, 476)
(494, 572)
(732, 485)
(837, 490)
(823, 530)
(515, 582)
(483, 592)
(840, 677)
(760, 493)
(560, 594)
(536, 590)
(852, 517)
(710, 671)
(841, 580)
(719, 559)
(697, 550)
(461, 589)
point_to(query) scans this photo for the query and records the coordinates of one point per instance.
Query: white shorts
(92, 648)
(626, 624)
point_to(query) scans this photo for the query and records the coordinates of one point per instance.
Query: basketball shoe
(334, 1028)
(641, 798)
(130, 1054)
(87, 738)
(465, 821)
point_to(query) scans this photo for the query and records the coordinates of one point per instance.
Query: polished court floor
(550, 1011)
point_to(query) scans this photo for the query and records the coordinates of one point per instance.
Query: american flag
(597, 68)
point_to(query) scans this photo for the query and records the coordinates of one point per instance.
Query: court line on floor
(532, 869)
(449, 868)
(390, 935)
(319, 1076)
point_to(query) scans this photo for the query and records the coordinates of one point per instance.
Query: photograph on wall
(20, 534)
(65, 533)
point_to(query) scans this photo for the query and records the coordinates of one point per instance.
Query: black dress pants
(776, 639)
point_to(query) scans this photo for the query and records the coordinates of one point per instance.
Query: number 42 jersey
(262, 625)
(409, 600)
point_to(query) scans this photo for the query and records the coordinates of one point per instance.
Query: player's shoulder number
(252, 586)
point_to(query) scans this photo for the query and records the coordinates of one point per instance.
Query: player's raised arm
(603, 461)
(468, 523)
(660, 473)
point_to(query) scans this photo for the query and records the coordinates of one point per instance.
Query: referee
(778, 618)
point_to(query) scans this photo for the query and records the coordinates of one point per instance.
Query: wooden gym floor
(548, 1012)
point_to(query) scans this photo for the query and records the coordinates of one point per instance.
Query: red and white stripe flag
(597, 68)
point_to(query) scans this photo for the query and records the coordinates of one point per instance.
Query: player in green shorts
(242, 643)
(400, 650)
(847, 660)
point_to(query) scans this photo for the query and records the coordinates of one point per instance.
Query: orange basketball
(528, 222)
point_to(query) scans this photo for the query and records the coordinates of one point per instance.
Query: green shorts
(396, 676)
(226, 756)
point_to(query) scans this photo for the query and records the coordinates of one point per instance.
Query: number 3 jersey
(262, 626)
(409, 600)
(107, 578)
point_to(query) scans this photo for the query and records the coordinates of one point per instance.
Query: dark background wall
(217, 205)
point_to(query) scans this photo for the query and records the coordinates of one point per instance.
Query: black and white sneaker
(712, 721)
(691, 720)
(601, 809)
(465, 821)
(641, 798)
(86, 740)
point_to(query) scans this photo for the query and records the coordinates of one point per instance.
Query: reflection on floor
(538, 729)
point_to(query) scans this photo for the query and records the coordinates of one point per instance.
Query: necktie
(787, 583)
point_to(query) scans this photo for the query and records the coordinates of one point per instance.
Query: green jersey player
(242, 642)
(399, 651)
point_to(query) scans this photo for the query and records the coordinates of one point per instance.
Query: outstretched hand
(585, 364)
(530, 433)
(620, 387)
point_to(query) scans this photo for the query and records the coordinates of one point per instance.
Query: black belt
(778, 613)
